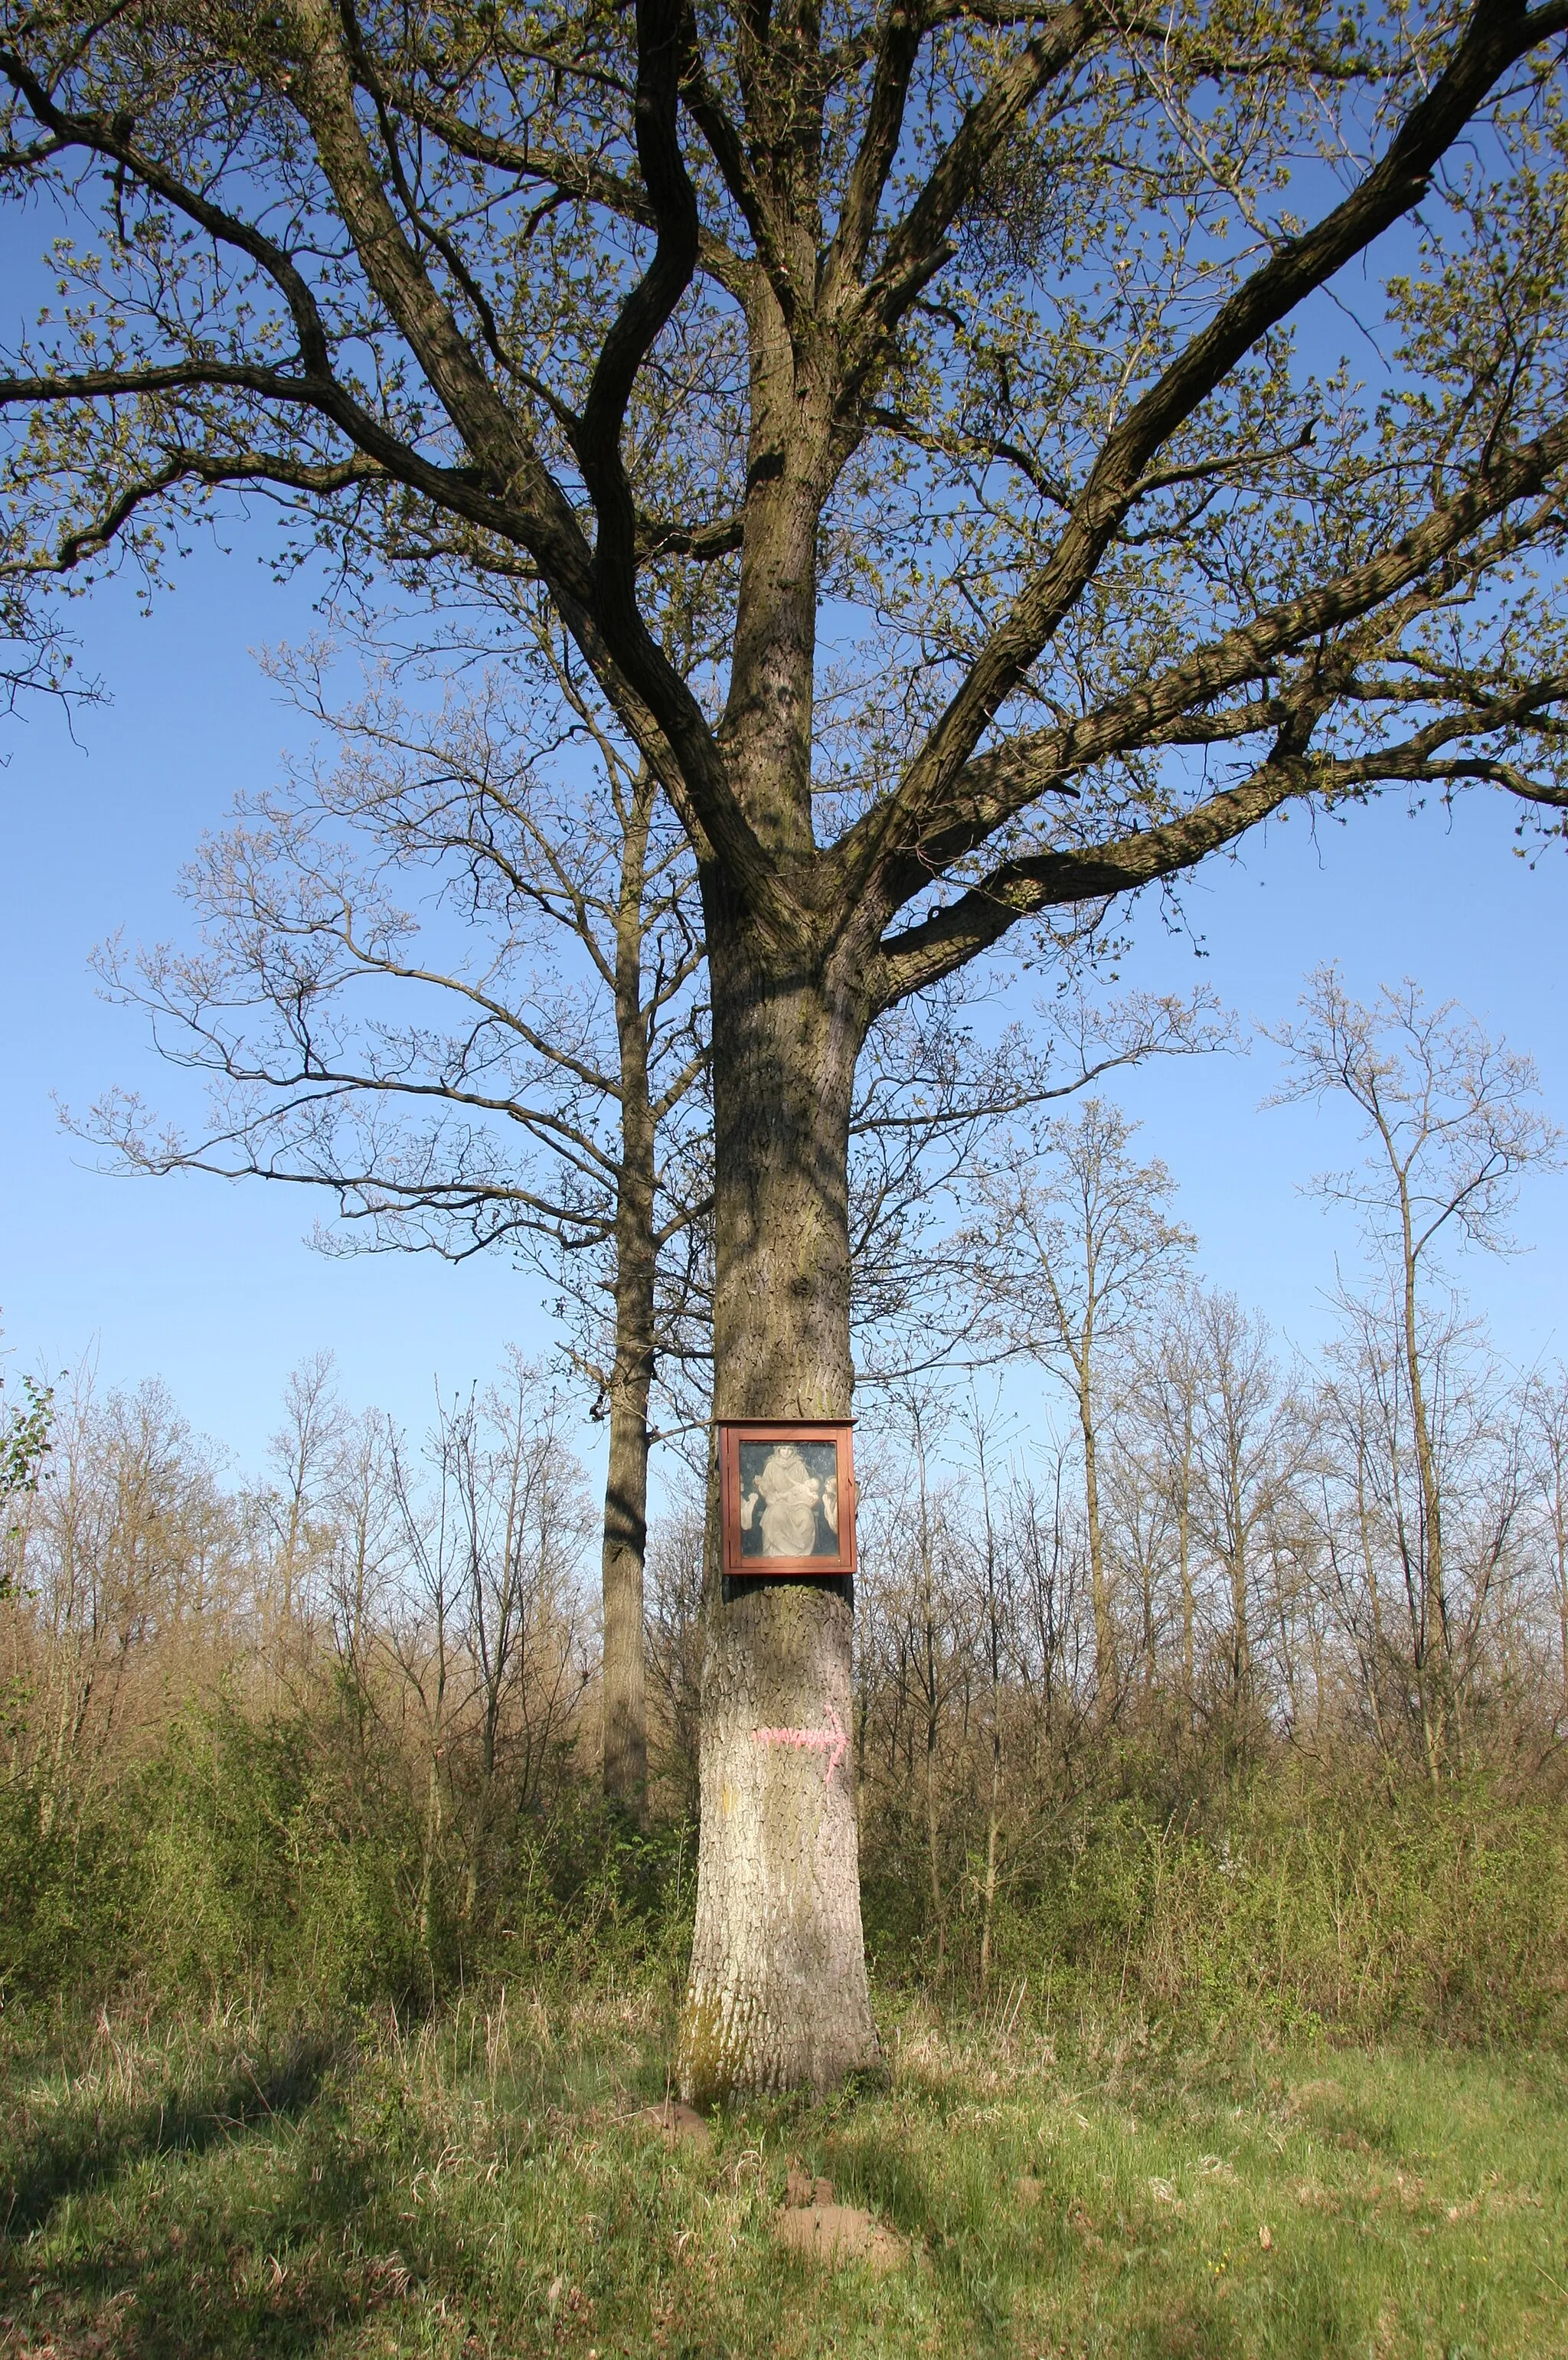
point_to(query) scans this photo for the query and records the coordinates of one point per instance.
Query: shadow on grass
(81, 2154)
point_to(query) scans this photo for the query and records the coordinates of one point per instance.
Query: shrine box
(787, 1495)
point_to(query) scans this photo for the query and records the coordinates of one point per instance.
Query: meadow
(497, 2179)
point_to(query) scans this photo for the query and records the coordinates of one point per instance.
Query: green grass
(481, 2185)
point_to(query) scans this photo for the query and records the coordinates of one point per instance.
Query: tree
(25, 1444)
(128, 1538)
(481, 1630)
(1249, 1440)
(303, 1453)
(1426, 1619)
(1163, 1399)
(517, 1062)
(1075, 1249)
(957, 338)
(1451, 1122)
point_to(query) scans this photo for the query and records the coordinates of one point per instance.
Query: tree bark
(626, 1490)
(624, 1749)
(778, 1994)
(625, 1551)
(1434, 1595)
(994, 1666)
(1107, 1672)
(1188, 1606)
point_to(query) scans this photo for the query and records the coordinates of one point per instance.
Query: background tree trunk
(625, 1551)
(777, 1994)
(624, 1767)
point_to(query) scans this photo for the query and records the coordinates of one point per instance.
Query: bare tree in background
(518, 1504)
(934, 1102)
(514, 1063)
(1250, 1440)
(1451, 1120)
(128, 1574)
(1073, 1250)
(1162, 1397)
(482, 1626)
(1435, 1661)
(303, 1454)
(364, 1532)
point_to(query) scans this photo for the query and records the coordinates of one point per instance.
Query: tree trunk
(626, 1494)
(1559, 1552)
(1189, 1607)
(1107, 1676)
(994, 1819)
(777, 1995)
(625, 1547)
(1434, 1595)
(624, 1765)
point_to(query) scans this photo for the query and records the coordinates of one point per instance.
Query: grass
(482, 2185)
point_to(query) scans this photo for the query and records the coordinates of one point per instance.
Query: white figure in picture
(785, 1505)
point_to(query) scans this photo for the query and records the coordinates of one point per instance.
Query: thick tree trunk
(778, 1994)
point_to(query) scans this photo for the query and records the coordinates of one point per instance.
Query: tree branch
(922, 954)
(917, 247)
(991, 789)
(1494, 38)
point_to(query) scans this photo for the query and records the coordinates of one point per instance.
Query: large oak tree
(959, 336)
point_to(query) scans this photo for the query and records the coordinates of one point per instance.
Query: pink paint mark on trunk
(831, 1741)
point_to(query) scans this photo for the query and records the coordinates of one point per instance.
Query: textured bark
(778, 1994)
(624, 1549)
(625, 1748)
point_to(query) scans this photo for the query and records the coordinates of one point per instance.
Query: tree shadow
(77, 2157)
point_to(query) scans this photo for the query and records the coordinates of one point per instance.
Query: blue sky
(212, 1287)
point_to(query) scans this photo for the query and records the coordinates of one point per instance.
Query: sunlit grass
(483, 2184)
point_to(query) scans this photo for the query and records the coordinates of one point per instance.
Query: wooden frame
(813, 1506)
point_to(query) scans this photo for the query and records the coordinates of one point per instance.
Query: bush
(1280, 1907)
(274, 1863)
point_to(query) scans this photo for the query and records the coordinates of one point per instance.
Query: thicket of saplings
(1228, 1749)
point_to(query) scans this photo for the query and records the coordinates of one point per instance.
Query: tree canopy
(965, 342)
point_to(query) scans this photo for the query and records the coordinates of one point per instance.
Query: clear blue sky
(213, 1285)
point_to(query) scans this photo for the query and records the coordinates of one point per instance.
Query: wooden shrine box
(787, 1495)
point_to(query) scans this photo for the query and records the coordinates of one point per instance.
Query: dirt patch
(811, 2224)
(678, 2125)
